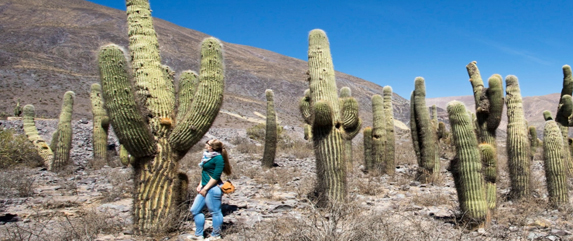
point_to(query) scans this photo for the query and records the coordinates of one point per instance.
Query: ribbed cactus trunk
(562, 118)
(368, 157)
(390, 155)
(332, 120)
(345, 92)
(142, 116)
(64, 133)
(489, 106)
(271, 132)
(378, 133)
(555, 168)
(32, 133)
(467, 166)
(518, 148)
(426, 137)
(100, 124)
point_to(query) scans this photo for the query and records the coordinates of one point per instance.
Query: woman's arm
(212, 182)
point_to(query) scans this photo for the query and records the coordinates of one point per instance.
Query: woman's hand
(199, 188)
(203, 192)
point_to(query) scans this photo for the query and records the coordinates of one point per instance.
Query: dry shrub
(369, 185)
(432, 199)
(86, 225)
(16, 183)
(298, 149)
(17, 150)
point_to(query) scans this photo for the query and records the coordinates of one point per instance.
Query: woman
(214, 163)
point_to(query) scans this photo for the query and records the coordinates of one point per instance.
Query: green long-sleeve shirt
(213, 168)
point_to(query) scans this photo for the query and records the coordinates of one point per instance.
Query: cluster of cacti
(424, 136)
(555, 171)
(563, 114)
(18, 109)
(466, 167)
(57, 154)
(271, 132)
(141, 115)
(518, 147)
(100, 124)
(489, 106)
(332, 119)
(381, 135)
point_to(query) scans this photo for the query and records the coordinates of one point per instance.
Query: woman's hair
(218, 147)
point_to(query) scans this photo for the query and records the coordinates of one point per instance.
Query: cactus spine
(331, 123)
(489, 106)
(378, 133)
(64, 133)
(555, 166)
(467, 166)
(271, 132)
(518, 149)
(100, 123)
(389, 156)
(32, 133)
(155, 141)
(424, 135)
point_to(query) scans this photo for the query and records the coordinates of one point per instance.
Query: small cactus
(518, 148)
(64, 133)
(378, 133)
(32, 133)
(368, 157)
(271, 132)
(17, 109)
(555, 166)
(100, 124)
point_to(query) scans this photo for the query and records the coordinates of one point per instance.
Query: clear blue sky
(392, 42)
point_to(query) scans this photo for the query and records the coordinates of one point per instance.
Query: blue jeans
(213, 202)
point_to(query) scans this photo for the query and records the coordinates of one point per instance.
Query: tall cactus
(518, 148)
(467, 166)
(271, 132)
(378, 133)
(331, 122)
(64, 133)
(100, 123)
(555, 166)
(368, 157)
(31, 132)
(424, 135)
(489, 106)
(141, 115)
(390, 155)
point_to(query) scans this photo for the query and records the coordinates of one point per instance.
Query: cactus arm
(270, 150)
(188, 82)
(323, 114)
(555, 170)
(518, 148)
(467, 166)
(32, 133)
(304, 106)
(495, 96)
(54, 142)
(64, 143)
(565, 110)
(489, 162)
(154, 92)
(351, 123)
(321, 72)
(414, 129)
(475, 80)
(208, 98)
(128, 123)
(547, 115)
(390, 156)
(307, 132)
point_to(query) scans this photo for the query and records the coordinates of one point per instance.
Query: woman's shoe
(193, 237)
(215, 238)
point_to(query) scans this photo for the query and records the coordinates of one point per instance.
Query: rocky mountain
(50, 46)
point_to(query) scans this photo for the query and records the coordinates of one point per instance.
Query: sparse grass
(16, 150)
(16, 183)
(121, 185)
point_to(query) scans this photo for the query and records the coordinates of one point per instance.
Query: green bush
(16, 150)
